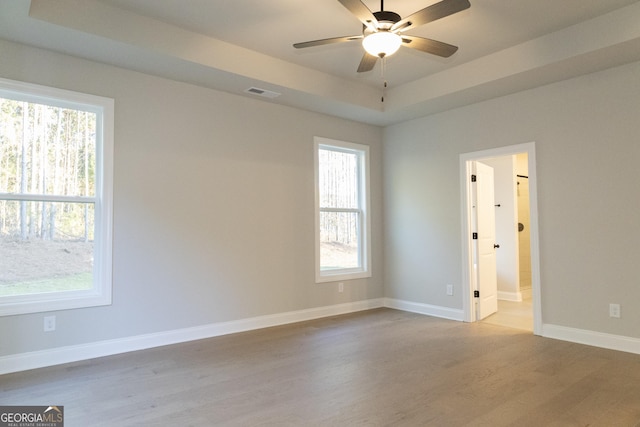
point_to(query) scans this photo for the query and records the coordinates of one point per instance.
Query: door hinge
(473, 178)
(476, 294)
(474, 236)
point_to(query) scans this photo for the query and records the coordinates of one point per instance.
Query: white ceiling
(504, 46)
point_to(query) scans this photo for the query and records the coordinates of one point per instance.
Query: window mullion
(338, 210)
(46, 198)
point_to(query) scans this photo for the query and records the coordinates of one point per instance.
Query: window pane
(338, 179)
(46, 149)
(339, 240)
(45, 247)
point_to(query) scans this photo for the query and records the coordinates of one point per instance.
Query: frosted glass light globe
(382, 43)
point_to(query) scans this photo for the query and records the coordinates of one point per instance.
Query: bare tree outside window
(47, 197)
(343, 246)
(339, 209)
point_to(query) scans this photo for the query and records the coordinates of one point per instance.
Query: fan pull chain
(384, 81)
(384, 87)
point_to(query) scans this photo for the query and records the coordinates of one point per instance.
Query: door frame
(468, 303)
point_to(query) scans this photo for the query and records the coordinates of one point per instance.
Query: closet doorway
(517, 260)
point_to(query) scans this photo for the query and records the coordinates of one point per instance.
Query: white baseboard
(510, 296)
(74, 353)
(526, 293)
(427, 309)
(57, 356)
(592, 338)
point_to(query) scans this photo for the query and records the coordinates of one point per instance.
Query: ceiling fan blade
(362, 12)
(326, 41)
(433, 47)
(431, 13)
(367, 63)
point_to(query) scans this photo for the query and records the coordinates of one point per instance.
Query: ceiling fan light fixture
(382, 43)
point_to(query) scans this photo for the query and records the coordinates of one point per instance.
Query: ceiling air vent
(262, 92)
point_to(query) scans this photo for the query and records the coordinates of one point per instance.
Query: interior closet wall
(524, 241)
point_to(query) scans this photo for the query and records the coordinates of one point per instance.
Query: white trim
(39, 94)
(74, 353)
(510, 296)
(592, 338)
(468, 303)
(28, 197)
(364, 209)
(426, 309)
(100, 293)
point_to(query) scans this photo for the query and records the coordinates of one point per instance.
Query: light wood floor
(517, 315)
(375, 368)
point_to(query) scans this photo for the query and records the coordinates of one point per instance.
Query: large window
(56, 150)
(342, 210)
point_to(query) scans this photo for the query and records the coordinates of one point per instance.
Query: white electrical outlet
(614, 310)
(449, 289)
(341, 287)
(49, 323)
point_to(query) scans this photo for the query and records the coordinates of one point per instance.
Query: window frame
(363, 209)
(101, 292)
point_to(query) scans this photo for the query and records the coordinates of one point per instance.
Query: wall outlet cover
(614, 310)
(49, 323)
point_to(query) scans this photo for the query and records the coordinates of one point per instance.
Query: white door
(485, 226)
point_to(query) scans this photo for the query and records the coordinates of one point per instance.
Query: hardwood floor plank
(375, 368)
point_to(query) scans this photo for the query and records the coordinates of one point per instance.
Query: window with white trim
(56, 161)
(343, 249)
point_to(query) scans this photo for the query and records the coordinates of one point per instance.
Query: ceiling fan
(382, 31)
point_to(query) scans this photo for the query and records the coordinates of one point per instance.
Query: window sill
(341, 275)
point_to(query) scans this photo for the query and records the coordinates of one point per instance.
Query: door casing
(466, 160)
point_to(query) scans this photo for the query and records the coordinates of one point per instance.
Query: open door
(485, 244)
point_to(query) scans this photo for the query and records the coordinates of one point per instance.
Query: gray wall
(587, 134)
(213, 206)
(213, 198)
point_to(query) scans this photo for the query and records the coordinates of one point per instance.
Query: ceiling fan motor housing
(386, 18)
